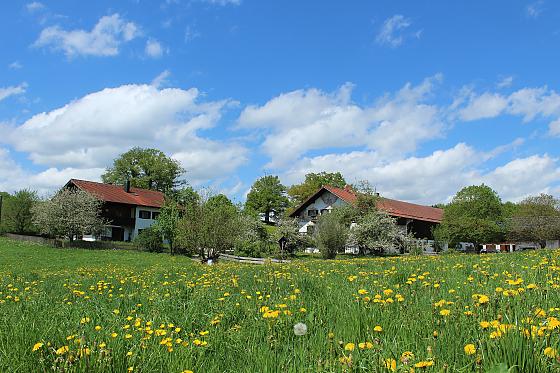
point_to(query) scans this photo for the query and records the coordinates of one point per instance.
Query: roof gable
(117, 194)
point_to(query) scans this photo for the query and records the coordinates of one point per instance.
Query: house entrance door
(117, 234)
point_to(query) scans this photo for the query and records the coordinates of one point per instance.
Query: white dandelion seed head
(300, 329)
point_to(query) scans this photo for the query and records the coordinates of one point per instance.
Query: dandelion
(37, 346)
(424, 364)
(444, 312)
(470, 349)
(550, 352)
(391, 364)
(187, 371)
(349, 346)
(378, 329)
(62, 350)
(300, 329)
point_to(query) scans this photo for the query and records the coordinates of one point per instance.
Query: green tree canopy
(536, 218)
(474, 215)
(18, 216)
(313, 181)
(145, 168)
(267, 195)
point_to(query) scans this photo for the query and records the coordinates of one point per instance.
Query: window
(155, 214)
(324, 211)
(143, 214)
(312, 213)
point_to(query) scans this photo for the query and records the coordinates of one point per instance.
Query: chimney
(127, 186)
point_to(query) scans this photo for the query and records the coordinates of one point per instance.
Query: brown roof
(117, 194)
(391, 206)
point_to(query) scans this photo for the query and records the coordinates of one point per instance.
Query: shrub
(149, 240)
(331, 235)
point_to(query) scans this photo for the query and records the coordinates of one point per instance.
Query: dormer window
(312, 213)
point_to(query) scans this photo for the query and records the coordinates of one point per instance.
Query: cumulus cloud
(438, 176)
(299, 121)
(528, 103)
(12, 91)
(153, 48)
(392, 32)
(91, 131)
(487, 105)
(103, 40)
(34, 6)
(161, 79)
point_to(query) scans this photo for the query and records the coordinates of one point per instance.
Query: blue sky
(418, 98)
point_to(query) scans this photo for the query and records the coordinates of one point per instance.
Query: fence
(77, 244)
(243, 259)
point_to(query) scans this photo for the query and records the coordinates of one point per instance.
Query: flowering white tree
(70, 213)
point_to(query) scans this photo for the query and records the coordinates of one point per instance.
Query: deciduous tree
(474, 215)
(313, 181)
(70, 213)
(145, 168)
(18, 215)
(267, 196)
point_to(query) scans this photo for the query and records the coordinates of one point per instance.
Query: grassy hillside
(117, 311)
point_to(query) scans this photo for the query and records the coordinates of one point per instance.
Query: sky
(419, 98)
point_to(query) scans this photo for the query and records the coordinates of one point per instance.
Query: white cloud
(436, 177)
(429, 179)
(554, 128)
(223, 2)
(12, 90)
(160, 80)
(303, 120)
(34, 6)
(103, 40)
(487, 105)
(534, 9)
(523, 177)
(392, 31)
(15, 65)
(91, 131)
(505, 82)
(153, 48)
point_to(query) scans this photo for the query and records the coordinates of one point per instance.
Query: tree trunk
(267, 217)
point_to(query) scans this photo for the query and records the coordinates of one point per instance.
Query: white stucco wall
(142, 223)
(318, 204)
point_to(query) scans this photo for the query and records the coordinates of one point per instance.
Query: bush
(149, 240)
(331, 235)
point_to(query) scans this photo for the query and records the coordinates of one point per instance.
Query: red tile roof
(391, 206)
(117, 194)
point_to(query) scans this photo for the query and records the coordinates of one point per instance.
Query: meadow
(72, 310)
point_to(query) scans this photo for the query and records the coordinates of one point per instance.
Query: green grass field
(67, 310)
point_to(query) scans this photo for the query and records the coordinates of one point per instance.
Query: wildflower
(365, 345)
(187, 371)
(37, 346)
(114, 335)
(97, 327)
(62, 350)
(406, 357)
(484, 324)
(470, 349)
(85, 320)
(127, 336)
(300, 329)
(444, 312)
(391, 364)
(349, 346)
(550, 352)
(378, 329)
(345, 360)
(424, 364)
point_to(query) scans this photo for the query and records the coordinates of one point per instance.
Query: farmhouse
(410, 217)
(129, 210)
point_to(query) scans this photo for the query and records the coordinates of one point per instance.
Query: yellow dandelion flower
(470, 349)
(378, 329)
(391, 364)
(37, 346)
(349, 346)
(550, 352)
